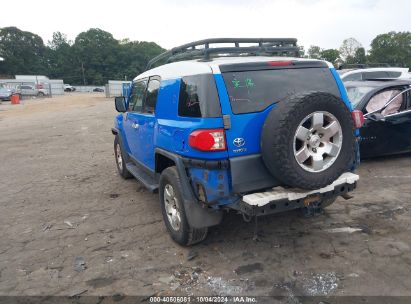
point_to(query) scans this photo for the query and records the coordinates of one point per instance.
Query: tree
(302, 51)
(95, 52)
(61, 59)
(314, 52)
(23, 52)
(330, 55)
(393, 48)
(348, 49)
(59, 40)
(101, 57)
(360, 56)
(134, 56)
(93, 58)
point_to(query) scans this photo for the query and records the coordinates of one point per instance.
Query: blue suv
(240, 127)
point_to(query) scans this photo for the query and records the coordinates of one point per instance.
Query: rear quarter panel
(174, 130)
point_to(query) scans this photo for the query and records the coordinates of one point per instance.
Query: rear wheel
(120, 159)
(174, 215)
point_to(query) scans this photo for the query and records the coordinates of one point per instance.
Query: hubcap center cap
(315, 141)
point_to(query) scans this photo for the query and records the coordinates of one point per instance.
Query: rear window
(199, 97)
(254, 91)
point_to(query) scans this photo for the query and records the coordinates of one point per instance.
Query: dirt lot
(69, 224)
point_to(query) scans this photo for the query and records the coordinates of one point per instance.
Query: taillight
(358, 118)
(208, 140)
(280, 63)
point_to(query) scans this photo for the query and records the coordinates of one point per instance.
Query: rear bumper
(279, 199)
(249, 174)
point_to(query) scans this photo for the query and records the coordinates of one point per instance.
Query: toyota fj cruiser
(236, 127)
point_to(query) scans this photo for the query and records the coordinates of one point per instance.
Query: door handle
(135, 125)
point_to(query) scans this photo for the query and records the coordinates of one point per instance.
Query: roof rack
(202, 50)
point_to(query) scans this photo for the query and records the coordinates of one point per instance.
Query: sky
(325, 23)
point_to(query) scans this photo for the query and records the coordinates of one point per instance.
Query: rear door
(254, 89)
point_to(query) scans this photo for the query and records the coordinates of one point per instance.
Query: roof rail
(201, 49)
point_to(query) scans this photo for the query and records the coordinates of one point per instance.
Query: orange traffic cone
(15, 99)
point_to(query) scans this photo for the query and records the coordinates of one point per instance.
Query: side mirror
(376, 117)
(120, 103)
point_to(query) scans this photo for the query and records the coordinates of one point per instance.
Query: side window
(138, 92)
(199, 97)
(392, 74)
(381, 74)
(380, 100)
(151, 95)
(353, 77)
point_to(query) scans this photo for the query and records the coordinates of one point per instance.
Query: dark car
(100, 90)
(387, 111)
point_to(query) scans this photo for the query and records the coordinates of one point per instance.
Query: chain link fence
(27, 88)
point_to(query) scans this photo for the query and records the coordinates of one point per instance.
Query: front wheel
(174, 215)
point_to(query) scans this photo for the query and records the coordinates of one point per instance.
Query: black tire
(277, 140)
(40, 94)
(185, 235)
(121, 168)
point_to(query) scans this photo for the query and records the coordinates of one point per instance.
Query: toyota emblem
(239, 142)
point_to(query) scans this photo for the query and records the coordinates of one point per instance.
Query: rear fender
(212, 187)
(198, 216)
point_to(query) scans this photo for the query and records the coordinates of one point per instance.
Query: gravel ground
(71, 225)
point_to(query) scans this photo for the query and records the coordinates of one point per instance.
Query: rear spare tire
(308, 141)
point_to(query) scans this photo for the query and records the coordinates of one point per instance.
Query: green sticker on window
(249, 83)
(236, 83)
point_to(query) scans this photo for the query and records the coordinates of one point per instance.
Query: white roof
(403, 71)
(194, 67)
(32, 77)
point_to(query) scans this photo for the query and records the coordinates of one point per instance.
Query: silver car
(30, 90)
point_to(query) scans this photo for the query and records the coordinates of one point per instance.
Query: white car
(376, 74)
(69, 88)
